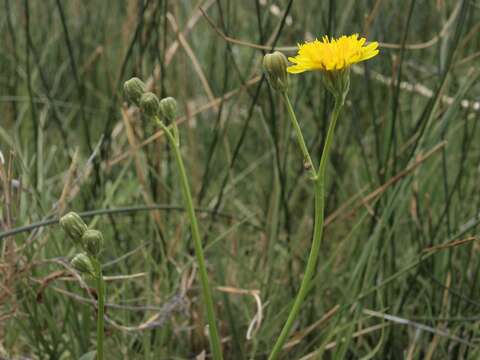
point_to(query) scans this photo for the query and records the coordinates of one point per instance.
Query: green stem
(202, 268)
(100, 310)
(317, 232)
(298, 132)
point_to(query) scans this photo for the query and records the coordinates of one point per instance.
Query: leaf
(91, 355)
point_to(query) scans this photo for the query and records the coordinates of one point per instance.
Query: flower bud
(134, 89)
(74, 226)
(150, 104)
(275, 65)
(168, 108)
(83, 264)
(92, 240)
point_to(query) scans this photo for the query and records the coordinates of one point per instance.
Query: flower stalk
(214, 337)
(101, 309)
(308, 163)
(319, 190)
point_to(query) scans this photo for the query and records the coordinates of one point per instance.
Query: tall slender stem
(202, 268)
(100, 310)
(298, 132)
(319, 186)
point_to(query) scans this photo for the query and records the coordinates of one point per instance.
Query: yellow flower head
(332, 54)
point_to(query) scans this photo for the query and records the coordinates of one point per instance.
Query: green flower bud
(275, 65)
(93, 242)
(83, 264)
(134, 89)
(150, 104)
(168, 108)
(74, 226)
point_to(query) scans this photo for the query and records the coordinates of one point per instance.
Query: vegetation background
(399, 267)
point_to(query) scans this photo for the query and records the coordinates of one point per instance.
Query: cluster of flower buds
(148, 102)
(89, 240)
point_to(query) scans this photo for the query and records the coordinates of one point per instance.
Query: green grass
(65, 146)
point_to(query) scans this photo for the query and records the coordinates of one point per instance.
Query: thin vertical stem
(33, 114)
(202, 268)
(319, 187)
(298, 132)
(100, 310)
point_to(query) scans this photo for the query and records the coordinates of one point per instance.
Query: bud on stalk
(275, 65)
(74, 226)
(150, 104)
(134, 89)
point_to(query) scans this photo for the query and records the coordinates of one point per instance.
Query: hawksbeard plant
(87, 263)
(332, 58)
(163, 113)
